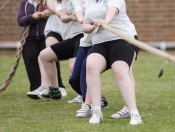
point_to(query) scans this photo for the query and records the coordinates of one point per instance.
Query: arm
(58, 13)
(88, 27)
(51, 5)
(65, 17)
(22, 19)
(111, 13)
(79, 15)
(78, 6)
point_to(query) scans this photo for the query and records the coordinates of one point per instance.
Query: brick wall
(154, 20)
(9, 29)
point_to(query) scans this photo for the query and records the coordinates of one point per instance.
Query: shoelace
(123, 111)
(135, 117)
(83, 108)
(95, 114)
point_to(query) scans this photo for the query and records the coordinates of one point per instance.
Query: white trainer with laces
(78, 99)
(63, 91)
(84, 111)
(34, 94)
(44, 94)
(96, 118)
(135, 120)
(123, 113)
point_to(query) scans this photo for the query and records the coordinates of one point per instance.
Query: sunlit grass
(155, 100)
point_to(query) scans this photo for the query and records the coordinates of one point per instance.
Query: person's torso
(96, 11)
(76, 27)
(36, 29)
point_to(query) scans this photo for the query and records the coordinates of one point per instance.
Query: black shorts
(135, 47)
(113, 51)
(68, 48)
(55, 35)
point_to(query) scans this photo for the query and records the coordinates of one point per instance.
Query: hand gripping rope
(143, 46)
(16, 62)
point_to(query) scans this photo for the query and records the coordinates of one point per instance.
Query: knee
(42, 55)
(119, 74)
(73, 80)
(90, 68)
(71, 69)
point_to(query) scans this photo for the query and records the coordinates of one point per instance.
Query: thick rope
(16, 62)
(140, 44)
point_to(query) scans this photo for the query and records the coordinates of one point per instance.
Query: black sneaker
(55, 94)
(104, 103)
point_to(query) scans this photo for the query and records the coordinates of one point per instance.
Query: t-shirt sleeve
(63, 5)
(58, 8)
(116, 3)
(78, 6)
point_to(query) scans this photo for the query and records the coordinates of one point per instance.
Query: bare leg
(48, 58)
(121, 74)
(94, 67)
(44, 80)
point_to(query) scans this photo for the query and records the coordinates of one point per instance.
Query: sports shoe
(78, 99)
(63, 91)
(34, 94)
(96, 117)
(44, 94)
(123, 113)
(104, 102)
(135, 120)
(50, 95)
(84, 111)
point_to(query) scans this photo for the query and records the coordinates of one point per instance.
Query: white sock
(134, 112)
(94, 108)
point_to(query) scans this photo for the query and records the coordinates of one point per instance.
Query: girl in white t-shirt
(61, 51)
(111, 51)
(78, 78)
(52, 31)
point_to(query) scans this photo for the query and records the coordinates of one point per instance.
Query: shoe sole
(33, 96)
(47, 99)
(83, 116)
(122, 117)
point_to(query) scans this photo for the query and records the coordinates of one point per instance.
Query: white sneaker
(96, 117)
(63, 91)
(44, 94)
(78, 99)
(135, 120)
(34, 94)
(123, 113)
(84, 111)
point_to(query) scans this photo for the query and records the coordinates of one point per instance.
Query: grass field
(155, 100)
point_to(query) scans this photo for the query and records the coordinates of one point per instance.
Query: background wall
(154, 20)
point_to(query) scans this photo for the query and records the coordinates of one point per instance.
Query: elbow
(63, 19)
(86, 31)
(20, 23)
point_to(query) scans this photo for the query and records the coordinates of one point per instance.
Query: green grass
(155, 100)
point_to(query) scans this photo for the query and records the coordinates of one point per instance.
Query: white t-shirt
(96, 11)
(76, 27)
(54, 24)
(79, 5)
